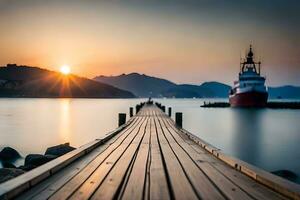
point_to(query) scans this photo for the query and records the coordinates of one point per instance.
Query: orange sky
(184, 42)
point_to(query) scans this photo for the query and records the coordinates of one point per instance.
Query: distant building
(11, 65)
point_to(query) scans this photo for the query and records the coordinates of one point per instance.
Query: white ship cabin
(249, 76)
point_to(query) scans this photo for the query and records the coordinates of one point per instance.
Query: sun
(65, 69)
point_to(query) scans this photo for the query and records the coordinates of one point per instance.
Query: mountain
(217, 89)
(140, 84)
(144, 86)
(286, 92)
(183, 91)
(205, 90)
(25, 81)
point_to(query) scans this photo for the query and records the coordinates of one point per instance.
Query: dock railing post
(178, 119)
(131, 111)
(122, 118)
(170, 111)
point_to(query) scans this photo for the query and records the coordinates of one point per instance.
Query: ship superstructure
(249, 90)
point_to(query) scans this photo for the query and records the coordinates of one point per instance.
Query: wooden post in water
(131, 111)
(170, 111)
(137, 109)
(178, 119)
(163, 108)
(122, 118)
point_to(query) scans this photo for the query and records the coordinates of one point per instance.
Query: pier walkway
(147, 158)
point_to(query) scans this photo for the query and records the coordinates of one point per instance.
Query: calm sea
(267, 138)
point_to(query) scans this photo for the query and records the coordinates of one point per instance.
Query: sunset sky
(188, 41)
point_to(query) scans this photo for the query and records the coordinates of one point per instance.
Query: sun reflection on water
(65, 120)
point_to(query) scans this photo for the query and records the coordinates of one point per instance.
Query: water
(267, 138)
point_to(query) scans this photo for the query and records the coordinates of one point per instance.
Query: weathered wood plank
(180, 185)
(108, 189)
(135, 186)
(254, 189)
(199, 180)
(158, 186)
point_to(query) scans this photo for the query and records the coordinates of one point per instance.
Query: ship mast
(249, 63)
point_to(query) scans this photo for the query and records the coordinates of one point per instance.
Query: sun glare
(65, 69)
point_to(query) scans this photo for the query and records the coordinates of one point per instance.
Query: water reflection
(64, 130)
(247, 134)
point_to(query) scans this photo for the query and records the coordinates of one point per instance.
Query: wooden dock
(149, 157)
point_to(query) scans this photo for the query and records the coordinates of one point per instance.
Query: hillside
(140, 85)
(205, 90)
(287, 92)
(25, 81)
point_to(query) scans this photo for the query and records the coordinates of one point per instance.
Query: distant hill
(217, 89)
(205, 90)
(285, 92)
(144, 86)
(25, 81)
(141, 85)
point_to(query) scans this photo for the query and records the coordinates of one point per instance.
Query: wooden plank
(147, 179)
(203, 186)
(122, 188)
(135, 186)
(158, 186)
(90, 185)
(254, 189)
(180, 185)
(70, 187)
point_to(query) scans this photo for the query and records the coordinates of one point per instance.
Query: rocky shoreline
(9, 155)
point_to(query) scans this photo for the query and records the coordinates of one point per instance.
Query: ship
(250, 89)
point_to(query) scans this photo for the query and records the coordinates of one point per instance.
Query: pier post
(122, 118)
(178, 119)
(131, 111)
(163, 108)
(170, 111)
(137, 109)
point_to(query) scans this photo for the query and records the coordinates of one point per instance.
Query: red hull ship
(250, 89)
